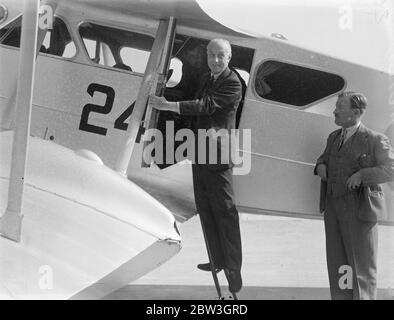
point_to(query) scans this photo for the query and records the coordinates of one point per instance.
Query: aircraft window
(57, 41)
(116, 48)
(243, 74)
(90, 47)
(11, 34)
(295, 85)
(104, 54)
(174, 73)
(136, 58)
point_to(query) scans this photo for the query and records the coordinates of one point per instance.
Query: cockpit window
(295, 85)
(116, 48)
(135, 57)
(57, 41)
(175, 72)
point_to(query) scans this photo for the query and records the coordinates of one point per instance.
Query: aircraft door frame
(151, 115)
(152, 82)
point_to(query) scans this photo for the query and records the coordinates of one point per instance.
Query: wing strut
(160, 50)
(11, 222)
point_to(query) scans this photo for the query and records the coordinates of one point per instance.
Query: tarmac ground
(283, 259)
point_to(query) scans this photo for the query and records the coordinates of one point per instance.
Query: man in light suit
(354, 163)
(214, 108)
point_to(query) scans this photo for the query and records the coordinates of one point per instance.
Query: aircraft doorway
(188, 64)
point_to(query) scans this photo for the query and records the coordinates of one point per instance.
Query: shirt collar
(216, 76)
(352, 130)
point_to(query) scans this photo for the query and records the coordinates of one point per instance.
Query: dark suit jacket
(215, 107)
(371, 155)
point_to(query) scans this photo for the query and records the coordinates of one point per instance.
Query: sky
(360, 31)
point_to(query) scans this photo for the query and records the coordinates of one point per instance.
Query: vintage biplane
(87, 67)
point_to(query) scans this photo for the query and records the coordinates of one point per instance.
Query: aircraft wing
(188, 13)
(86, 230)
(172, 186)
(356, 31)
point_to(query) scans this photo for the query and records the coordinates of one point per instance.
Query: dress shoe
(234, 280)
(207, 267)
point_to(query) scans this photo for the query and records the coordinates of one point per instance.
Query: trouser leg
(222, 203)
(335, 253)
(207, 217)
(361, 244)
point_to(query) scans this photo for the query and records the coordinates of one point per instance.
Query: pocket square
(365, 161)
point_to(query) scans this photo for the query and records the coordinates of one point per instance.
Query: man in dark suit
(214, 109)
(352, 167)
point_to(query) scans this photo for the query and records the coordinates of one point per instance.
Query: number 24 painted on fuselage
(120, 123)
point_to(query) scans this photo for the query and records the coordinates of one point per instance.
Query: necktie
(211, 81)
(208, 84)
(342, 138)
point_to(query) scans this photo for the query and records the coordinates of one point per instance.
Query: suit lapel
(359, 139)
(204, 84)
(335, 142)
(222, 77)
(207, 84)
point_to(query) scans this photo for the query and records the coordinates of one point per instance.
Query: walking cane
(213, 268)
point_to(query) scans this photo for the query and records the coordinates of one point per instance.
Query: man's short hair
(224, 42)
(357, 100)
